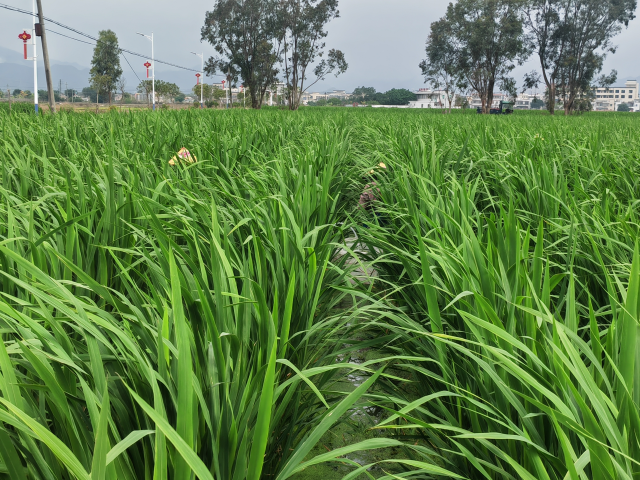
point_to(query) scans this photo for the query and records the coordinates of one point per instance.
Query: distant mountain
(18, 73)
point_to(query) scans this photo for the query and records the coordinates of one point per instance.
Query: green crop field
(240, 317)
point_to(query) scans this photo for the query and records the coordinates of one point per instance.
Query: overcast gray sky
(383, 40)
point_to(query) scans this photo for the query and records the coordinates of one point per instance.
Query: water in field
(361, 421)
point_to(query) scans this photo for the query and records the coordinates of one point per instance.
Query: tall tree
(302, 29)
(488, 39)
(244, 33)
(146, 87)
(442, 67)
(122, 85)
(105, 65)
(571, 39)
(167, 90)
(361, 94)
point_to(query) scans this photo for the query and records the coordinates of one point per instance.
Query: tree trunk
(490, 85)
(552, 98)
(256, 102)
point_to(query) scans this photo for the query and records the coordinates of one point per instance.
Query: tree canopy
(105, 64)
(244, 33)
(395, 96)
(572, 39)
(476, 44)
(442, 69)
(302, 25)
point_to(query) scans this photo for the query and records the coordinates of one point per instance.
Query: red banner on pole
(24, 36)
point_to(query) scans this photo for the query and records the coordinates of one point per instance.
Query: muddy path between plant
(359, 424)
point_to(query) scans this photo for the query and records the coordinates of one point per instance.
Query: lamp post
(201, 55)
(153, 70)
(24, 36)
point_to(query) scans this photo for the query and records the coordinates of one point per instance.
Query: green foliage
(164, 321)
(302, 25)
(18, 107)
(395, 96)
(513, 308)
(536, 103)
(246, 35)
(167, 90)
(624, 107)
(572, 39)
(160, 320)
(91, 94)
(477, 43)
(105, 64)
(443, 67)
(43, 95)
(361, 94)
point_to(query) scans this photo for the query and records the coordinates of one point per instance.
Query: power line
(26, 12)
(134, 72)
(67, 36)
(89, 43)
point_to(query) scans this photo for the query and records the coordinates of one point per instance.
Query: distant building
(315, 96)
(476, 101)
(607, 99)
(427, 98)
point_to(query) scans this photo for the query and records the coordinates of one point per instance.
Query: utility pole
(35, 59)
(9, 93)
(45, 55)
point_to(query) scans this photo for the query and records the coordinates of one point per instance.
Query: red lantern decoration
(223, 84)
(147, 64)
(24, 36)
(198, 78)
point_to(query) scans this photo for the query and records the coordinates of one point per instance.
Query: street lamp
(24, 36)
(153, 70)
(201, 55)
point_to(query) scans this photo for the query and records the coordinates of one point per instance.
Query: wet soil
(358, 424)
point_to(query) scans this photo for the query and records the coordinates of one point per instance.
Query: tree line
(478, 43)
(106, 75)
(259, 40)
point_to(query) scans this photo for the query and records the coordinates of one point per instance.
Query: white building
(427, 98)
(476, 102)
(315, 96)
(607, 99)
